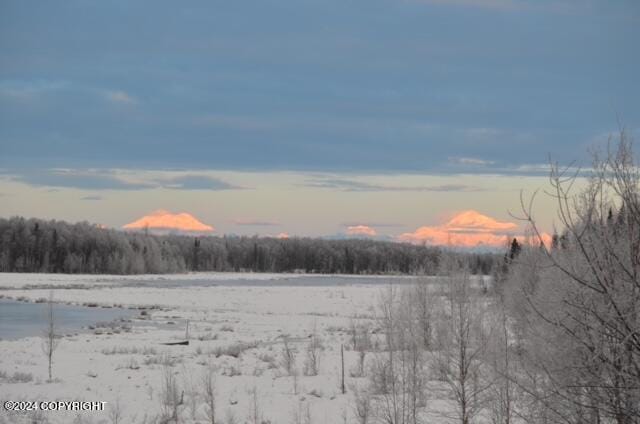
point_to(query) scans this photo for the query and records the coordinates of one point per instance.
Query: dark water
(294, 281)
(22, 319)
(284, 281)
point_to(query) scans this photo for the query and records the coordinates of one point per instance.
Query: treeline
(34, 245)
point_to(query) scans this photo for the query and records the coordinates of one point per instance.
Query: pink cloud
(361, 230)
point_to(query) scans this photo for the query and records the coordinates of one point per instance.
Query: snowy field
(237, 326)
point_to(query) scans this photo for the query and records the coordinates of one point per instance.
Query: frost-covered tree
(577, 303)
(50, 339)
(461, 344)
(397, 374)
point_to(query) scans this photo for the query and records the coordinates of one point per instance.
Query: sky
(310, 118)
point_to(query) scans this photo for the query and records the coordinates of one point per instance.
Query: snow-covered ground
(123, 364)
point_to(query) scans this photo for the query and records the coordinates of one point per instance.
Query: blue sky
(330, 90)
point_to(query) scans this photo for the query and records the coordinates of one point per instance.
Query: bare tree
(342, 386)
(230, 417)
(288, 358)
(461, 345)
(583, 312)
(255, 414)
(424, 307)
(397, 373)
(288, 362)
(50, 339)
(116, 414)
(209, 389)
(172, 398)
(295, 380)
(361, 342)
(313, 353)
(501, 366)
(192, 390)
(353, 333)
(362, 404)
(301, 413)
(359, 369)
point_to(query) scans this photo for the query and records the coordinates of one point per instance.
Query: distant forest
(34, 245)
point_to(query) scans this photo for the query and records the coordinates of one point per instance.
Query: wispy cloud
(78, 179)
(255, 223)
(327, 123)
(551, 6)
(29, 89)
(107, 179)
(36, 89)
(470, 161)
(93, 198)
(196, 182)
(354, 185)
(485, 4)
(119, 96)
(239, 122)
(372, 224)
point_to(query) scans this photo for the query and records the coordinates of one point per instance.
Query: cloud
(37, 88)
(119, 96)
(282, 235)
(339, 125)
(248, 123)
(29, 89)
(196, 182)
(371, 224)
(78, 179)
(353, 185)
(471, 161)
(537, 169)
(466, 229)
(107, 179)
(256, 223)
(91, 198)
(426, 83)
(482, 4)
(361, 230)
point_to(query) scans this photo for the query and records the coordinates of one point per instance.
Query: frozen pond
(26, 319)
